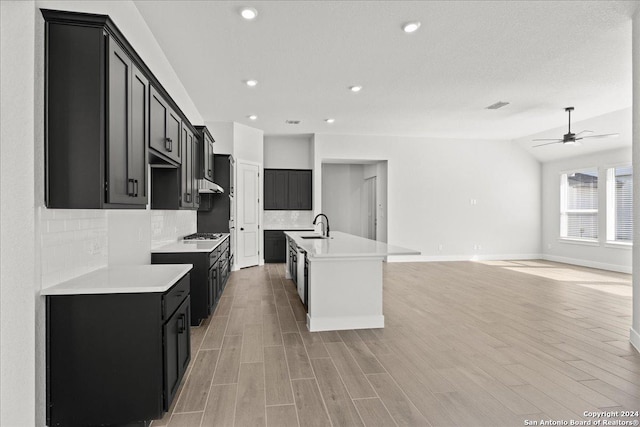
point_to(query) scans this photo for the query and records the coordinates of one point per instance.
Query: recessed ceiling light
(411, 27)
(329, 120)
(355, 88)
(248, 13)
(252, 117)
(251, 83)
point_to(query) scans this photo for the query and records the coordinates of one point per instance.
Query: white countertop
(189, 246)
(341, 245)
(286, 227)
(123, 280)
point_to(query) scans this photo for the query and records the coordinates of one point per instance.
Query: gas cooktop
(203, 236)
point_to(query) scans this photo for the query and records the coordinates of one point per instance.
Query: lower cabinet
(115, 358)
(208, 277)
(275, 245)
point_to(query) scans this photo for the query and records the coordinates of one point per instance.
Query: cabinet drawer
(174, 297)
(214, 255)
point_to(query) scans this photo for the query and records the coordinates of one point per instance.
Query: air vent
(292, 122)
(497, 105)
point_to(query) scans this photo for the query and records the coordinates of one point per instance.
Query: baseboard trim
(634, 339)
(592, 264)
(482, 257)
(343, 323)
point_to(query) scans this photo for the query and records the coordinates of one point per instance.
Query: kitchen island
(341, 281)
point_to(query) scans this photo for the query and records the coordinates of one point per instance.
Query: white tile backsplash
(171, 226)
(74, 242)
(286, 219)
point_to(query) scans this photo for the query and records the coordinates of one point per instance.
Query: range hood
(208, 187)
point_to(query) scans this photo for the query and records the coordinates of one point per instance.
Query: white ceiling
(540, 56)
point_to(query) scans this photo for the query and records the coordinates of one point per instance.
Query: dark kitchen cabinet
(287, 189)
(96, 116)
(189, 197)
(276, 189)
(275, 245)
(206, 163)
(206, 285)
(165, 128)
(115, 359)
(300, 190)
(216, 210)
(177, 350)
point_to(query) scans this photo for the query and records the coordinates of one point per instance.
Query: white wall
(430, 185)
(19, 282)
(248, 144)
(32, 236)
(222, 133)
(342, 192)
(600, 255)
(287, 152)
(635, 326)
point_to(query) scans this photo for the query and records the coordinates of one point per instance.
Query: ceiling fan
(573, 138)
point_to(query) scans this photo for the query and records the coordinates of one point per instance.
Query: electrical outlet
(440, 246)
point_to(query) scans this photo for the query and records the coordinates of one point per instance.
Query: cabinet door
(207, 160)
(299, 190)
(304, 190)
(195, 164)
(165, 127)
(174, 129)
(139, 135)
(120, 186)
(158, 113)
(186, 186)
(177, 350)
(276, 189)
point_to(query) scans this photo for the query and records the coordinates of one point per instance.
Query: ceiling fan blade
(548, 139)
(583, 132)
(606, 135)
(558, 141)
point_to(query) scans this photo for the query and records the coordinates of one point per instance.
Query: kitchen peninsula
(339, 278)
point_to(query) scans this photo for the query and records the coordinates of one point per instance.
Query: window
(579, 205)
(620, 204)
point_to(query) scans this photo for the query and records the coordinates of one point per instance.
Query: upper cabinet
(128, 130)
(189, 190)
(205, 170)
(165, 127)
(95, 118)
(106, 119)
(287, 189)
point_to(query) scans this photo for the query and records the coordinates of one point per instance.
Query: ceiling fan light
(248, 13)
(411, 27)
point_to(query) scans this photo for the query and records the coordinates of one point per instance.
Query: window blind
(624, 204)
(579, 207)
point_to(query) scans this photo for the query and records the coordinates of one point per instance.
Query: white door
(248, 219)
(371, 202)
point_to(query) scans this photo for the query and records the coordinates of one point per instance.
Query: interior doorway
(354, 197)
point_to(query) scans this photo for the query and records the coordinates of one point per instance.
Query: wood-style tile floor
(465, 344)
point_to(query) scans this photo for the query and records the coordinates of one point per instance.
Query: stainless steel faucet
(326, 220)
